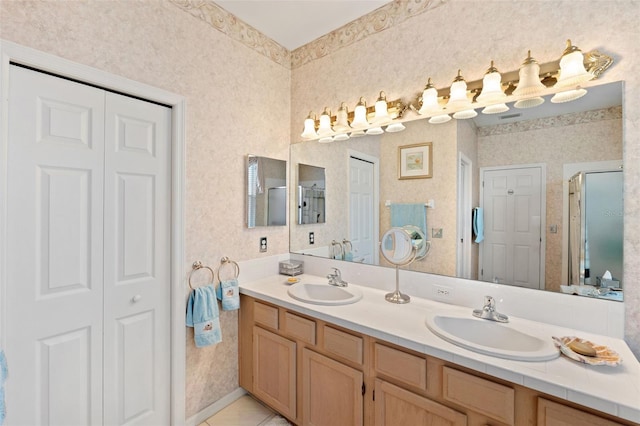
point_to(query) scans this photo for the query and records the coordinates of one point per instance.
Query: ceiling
(294, 23)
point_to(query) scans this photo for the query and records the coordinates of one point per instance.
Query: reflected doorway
(363, 207)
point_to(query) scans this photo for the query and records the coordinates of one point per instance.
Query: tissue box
(603, 282)
(291, 267)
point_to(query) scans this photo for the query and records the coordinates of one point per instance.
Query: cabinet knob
(136, 298)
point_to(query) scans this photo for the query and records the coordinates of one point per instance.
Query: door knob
(136, 298)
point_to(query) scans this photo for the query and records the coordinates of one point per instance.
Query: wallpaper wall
(227, 86)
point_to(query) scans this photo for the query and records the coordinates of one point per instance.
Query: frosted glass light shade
(325, 124)
(572, 71)
(341, 137)
(465, 114)
(309, 131)
(439, 119)
(429, 101)
(529, 102)
(458, 99)
(342, 119)
(357, 133)
(395, 127)
(495, 109)
(326, 139)
(360, 115)
(568, 96)
(381, 112)
(529, 84)
(375, 131)
(491, 89)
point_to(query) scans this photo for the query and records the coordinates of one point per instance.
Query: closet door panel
(54, 267)
(137, 267)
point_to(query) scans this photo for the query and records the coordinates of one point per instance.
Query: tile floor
(245, 411)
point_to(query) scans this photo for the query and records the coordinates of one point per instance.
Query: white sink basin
(492, 338)
(324, 294)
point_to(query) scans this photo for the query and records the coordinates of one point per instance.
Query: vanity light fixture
(458, 99)
(529, 84)
(492, 92)
(430, 104)
(572, 73)
(381, 116)
(309, 131)
(342, 119)
(360, 115)
(325, 129)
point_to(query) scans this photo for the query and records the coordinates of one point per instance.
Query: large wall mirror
(266, 191)
(525, 157)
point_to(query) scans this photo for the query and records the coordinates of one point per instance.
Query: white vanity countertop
(613, 390)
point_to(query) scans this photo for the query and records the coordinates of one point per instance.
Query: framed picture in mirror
(415, 161)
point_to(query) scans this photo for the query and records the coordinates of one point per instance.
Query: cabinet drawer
(552, 413)
(300, 328)
(265, 315)
(480, 395)
(407, 368)
(343, 344)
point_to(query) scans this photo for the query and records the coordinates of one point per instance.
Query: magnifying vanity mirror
(559, 139)
(266, 191)
(400, 246)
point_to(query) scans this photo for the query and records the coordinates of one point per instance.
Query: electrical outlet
(312, 238)
(263, 244)
(442, 292)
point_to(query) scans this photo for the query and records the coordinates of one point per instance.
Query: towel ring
(226, 261)
(198, 265)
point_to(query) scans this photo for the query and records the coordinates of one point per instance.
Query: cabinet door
(331, 392)
(274, 371)
(554, 414)
(396, 406)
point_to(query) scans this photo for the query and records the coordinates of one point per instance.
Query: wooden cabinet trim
(423, 409)
(266, 315)
(300, 328)
(401, 366)
(274, 371)
(553, 413)
(333, 380)
(343, 344)
(483, 396)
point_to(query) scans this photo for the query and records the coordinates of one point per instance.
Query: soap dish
(604, 355)
(293, 280)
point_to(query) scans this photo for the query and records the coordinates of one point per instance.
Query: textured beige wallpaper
(467, 35)
(230, 91)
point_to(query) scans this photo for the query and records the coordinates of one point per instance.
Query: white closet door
(54, 251)
(88, 331)
(137, 270)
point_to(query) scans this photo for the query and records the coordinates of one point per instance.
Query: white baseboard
(212, 409)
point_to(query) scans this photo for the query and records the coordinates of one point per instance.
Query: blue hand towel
(478, 224)
(409, 214)
(203, 316)
(3, 377)
(229, 294)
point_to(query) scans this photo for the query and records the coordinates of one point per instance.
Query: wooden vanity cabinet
(320, 374)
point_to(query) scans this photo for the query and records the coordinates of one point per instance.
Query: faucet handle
(489, 302)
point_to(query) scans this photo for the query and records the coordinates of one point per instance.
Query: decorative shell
(604, 355)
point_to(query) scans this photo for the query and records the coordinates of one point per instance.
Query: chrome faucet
(489, 312)
(336, 278)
